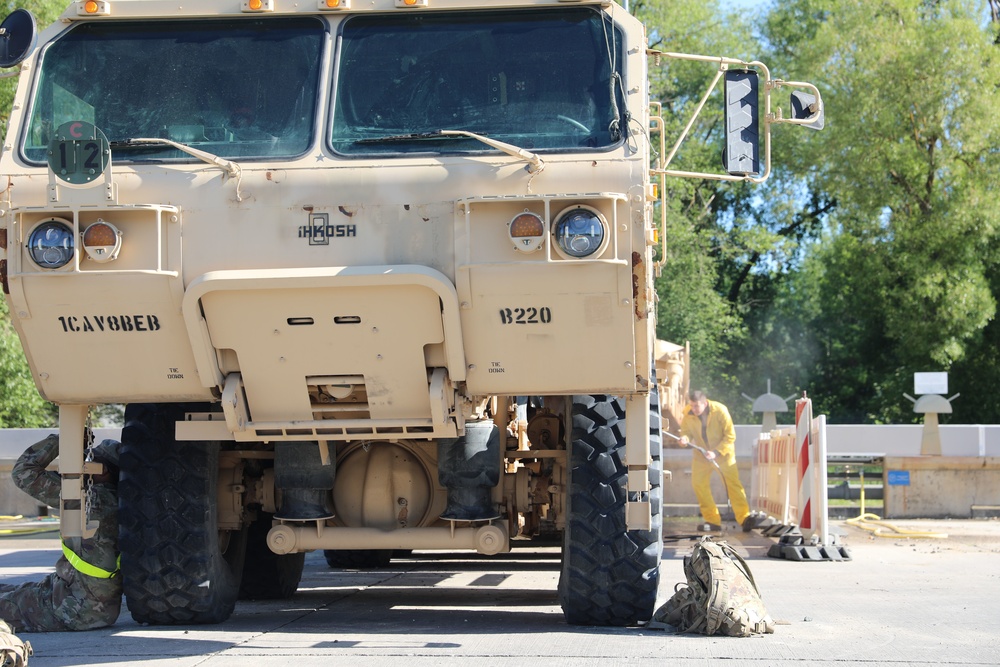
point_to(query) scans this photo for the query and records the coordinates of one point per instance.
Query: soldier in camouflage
(85, 591)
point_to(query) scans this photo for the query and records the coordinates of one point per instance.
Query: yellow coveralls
(718, 436)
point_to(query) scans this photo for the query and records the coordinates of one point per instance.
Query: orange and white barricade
(773, 476)
(789, 483)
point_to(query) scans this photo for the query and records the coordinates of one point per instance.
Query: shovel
(696, 447)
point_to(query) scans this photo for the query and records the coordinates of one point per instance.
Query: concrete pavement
(900, 601)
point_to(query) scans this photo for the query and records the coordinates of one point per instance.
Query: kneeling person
(85, 591)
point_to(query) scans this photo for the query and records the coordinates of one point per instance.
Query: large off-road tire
(177, 567)
(609, 574)
(267, 575)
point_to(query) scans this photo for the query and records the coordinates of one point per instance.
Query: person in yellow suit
(707, 426)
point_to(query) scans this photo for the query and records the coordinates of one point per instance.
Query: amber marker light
(411, 3)
(93, 8)
(334, 4)
(258, 5)
(527, 231)
(102, 241)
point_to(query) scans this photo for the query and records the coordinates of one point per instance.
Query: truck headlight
(580, 231)
(51, 244)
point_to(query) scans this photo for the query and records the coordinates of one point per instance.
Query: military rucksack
(13, 651)
(720, 596)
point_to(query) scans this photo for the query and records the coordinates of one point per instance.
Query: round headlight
(51, 244)
(579, 232)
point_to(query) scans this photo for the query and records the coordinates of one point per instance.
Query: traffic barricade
(789, 486)
(772, 476)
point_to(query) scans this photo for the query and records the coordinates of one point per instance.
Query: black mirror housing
(804, 106)
(18, 33)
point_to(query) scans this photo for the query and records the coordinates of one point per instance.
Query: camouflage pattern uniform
(68, 599)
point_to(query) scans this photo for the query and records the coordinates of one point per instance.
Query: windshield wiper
(535, 163)
(393, 138)
(231, 168)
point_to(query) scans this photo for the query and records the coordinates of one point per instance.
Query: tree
(869, 254)
(905, 277)
(691, 305)
(730, 244)
(20, 404)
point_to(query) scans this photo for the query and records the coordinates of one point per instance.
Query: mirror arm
(816, 115)
(694, 116)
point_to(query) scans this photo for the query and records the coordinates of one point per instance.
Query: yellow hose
(875, 525)
(27, 530)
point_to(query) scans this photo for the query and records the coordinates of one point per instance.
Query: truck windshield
(538, 79)
(236, 88)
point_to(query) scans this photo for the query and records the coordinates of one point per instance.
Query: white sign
(930, 383)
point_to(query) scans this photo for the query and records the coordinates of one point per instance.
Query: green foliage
(691, 305)
(20, 404)
(869, 255)
(902, 280)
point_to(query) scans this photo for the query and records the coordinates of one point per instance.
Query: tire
(267, 575)
(358, 559)
(609, 574)
(177, 568)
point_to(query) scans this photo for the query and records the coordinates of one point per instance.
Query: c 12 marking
(529, 315)
(91, 150)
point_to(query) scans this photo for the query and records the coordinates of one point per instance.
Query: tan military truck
(370, 275)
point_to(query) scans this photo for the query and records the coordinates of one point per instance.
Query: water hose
(875, 525)
(27, 530)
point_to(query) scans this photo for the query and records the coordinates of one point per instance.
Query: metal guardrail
(854, 478)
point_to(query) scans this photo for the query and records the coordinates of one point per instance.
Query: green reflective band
(88, 569)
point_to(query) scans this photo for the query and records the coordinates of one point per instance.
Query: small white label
(930, 383)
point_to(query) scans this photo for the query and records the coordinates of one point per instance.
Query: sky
(741, 4)
(736, 5)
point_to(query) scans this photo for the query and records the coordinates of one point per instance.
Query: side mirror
(804, 106)
(742, 154)
(18, 33)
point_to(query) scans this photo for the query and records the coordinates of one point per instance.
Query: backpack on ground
(720, 596)
(13, 651)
